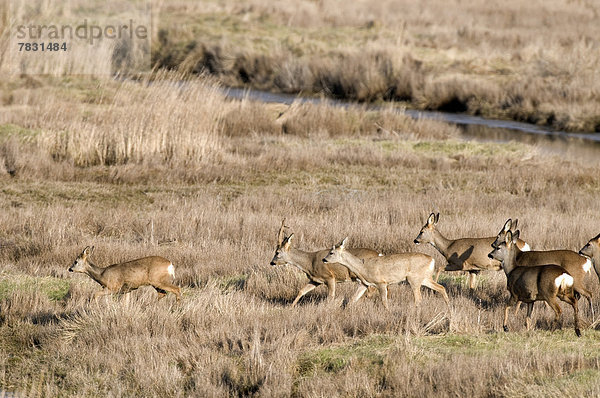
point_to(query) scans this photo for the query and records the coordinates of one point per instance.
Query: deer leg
(438, 288)
(557, 311)
(359, 292)
(528, 319)
(416, 288)
(309, 286)
(370, 290)
(168, 287)
(437, 274)
(573, 301)
(588, 295)
(512, 301)
(576, 316)
(161, 293)
(517, 307)
(472, 276)
(101, 293)
(383, 292)
(330, 288)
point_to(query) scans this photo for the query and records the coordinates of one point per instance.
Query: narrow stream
(472, 126)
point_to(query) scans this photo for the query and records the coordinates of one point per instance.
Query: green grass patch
(9, 130)
(581, 383)
(466, 148)
(42, 192)
(54, 288)
(232, 282)
(369, 352)
(503, 344)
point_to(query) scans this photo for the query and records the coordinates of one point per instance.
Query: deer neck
(356, 265)
(441, 243)
(303, 260)
(510, 262)
(596, 264)
(95, 273)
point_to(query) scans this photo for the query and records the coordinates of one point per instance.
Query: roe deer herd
(531, 275)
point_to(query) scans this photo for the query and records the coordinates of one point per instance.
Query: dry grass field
(173, 168)
(209, 193)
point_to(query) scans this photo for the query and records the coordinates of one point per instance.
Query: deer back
(397, 267)
(572, 262)
(323, 271)
(139, 272)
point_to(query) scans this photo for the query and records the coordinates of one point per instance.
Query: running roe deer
(592, 251)
(154, 271)
(535, 283)
(312, 265)
(465, 254)
(576, 265)
(417, 268)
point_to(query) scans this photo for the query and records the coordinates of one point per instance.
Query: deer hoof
(505, 328)
(578, 332)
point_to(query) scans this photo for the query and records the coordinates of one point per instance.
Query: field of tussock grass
(206, 185)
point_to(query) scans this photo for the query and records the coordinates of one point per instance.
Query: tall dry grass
(101, 56)
(162, 121)
(171, 121)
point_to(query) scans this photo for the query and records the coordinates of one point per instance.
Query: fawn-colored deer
(416, 268)
(312, 265)
(465, 254)
(154, 271)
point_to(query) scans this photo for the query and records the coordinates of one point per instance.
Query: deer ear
(515, 236)
(514, 224)
(437, 218)
(431, 219)
(508, 237)
(343, 244)
(507, 225)
(287, 241)
(88, 250)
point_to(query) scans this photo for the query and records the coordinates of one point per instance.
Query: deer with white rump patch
(154, 271)
(465, 254)
(576, 265)
(535, 283)
(416, 268)
(312, 265)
